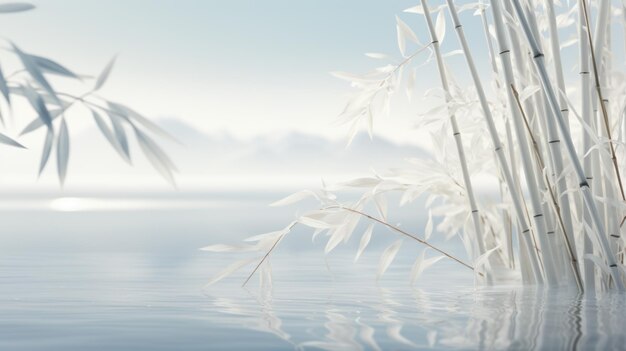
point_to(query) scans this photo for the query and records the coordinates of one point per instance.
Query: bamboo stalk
(549, 268)
(533, 180)
(564, 201)
(506, 218)
(456, 132)
(597, 52)
(571, 249)
(585, 93)
(552, 144)
(584, 187)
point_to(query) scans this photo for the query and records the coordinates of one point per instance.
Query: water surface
(133, 279)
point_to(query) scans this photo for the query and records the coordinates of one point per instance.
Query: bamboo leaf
(378, 56)
(43, 112)
(421, 264)
(271, 235)
(108, 134)
(63, 151)
(599, 263)
(159, 160)
(47, 65)
(296, 197)
(365, 240)
(102, 78)
(440, 26)
(9, 141)
(39, 122)
(47, 148)
(12, 7)
(4, 88)
(120, 135)
(415, 9)
(232, 268)
(387, 257)
(428, 231)
(336, 238)
(404, 33)
(33, 69)
(135, 116)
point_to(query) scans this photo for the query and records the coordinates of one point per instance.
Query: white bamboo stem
(498, 148)
(518, 123)
(456, 133)
(583, 184)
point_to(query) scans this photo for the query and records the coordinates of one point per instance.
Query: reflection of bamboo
(457, 135)
(498, 148)
(538, 59)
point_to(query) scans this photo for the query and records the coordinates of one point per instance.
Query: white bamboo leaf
(157, 157)
(365, 240)
(271, 235)
(599, 262)
(120, 134)
(378, 56)
(415, 9)
(421, 264)
(410, 83)
(387, 258)
(452, 53)
(232, 268)
(381, 205)
(428, 231)
(315, 223)
(569, 43)
(12, 7)
(440, 26)
(365, 182)
(146, 123)
(335, 239)
(529, 91)
(102, 78)
(63, 151)
(404, 33)
(296, 197)
(9, 141)
(482, 259)
(47, 148)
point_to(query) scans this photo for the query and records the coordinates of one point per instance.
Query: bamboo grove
(551, 132)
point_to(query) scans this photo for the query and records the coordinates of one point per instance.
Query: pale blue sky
(244, 66)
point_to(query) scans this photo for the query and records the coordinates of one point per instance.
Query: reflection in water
(405, 319)
(137, 301)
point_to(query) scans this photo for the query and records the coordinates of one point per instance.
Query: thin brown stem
(396, 229)
(263, 260)
(388, 225)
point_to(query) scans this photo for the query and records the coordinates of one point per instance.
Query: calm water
(132, 279)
